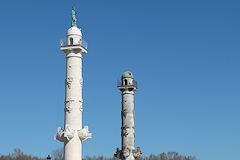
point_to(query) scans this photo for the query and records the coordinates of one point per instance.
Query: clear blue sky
(185, 56)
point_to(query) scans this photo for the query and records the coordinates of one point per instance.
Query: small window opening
(71, 41)
(125, 82)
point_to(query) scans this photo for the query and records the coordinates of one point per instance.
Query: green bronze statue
(74, 19)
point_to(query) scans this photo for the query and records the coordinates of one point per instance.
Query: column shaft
(73, 106)
(128, 135)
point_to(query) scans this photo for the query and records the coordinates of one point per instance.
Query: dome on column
(127, 74)
(74, 31)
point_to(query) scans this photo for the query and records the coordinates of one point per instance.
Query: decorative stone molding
(64, 135)
(124, 113)
(137, 153)
(80, 108)
(125, 131)
(128, 153)
(68, 106)
(59, 136)
(118, 154)
(67, 134)
(69, 81)
(84, 133)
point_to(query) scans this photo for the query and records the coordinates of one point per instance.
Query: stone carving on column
(137, 153)
(118, 154)
(126, 152)
(84, 133)
(125, 131)
(68, 106)
(80, 108)
(64, 135)
(69, 81)
(60, 134)
(131, 154)
(124, 113)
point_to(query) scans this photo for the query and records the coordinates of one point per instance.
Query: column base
(128, 154)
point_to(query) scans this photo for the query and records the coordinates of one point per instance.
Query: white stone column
(73, 105)
(73, 134)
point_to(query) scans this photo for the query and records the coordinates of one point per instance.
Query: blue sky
(184, 54)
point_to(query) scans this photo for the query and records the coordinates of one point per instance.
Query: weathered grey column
(128, 86)
(73, 134)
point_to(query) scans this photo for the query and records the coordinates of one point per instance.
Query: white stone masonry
(73, 134)
(128, 151)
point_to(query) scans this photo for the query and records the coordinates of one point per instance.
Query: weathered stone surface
(128, 151)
